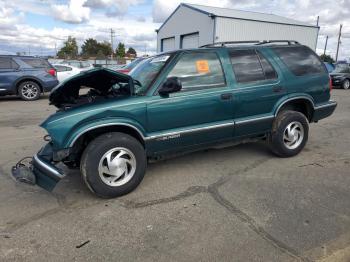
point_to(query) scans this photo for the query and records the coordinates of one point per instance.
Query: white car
(66, 71)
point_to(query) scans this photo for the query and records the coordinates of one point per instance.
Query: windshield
(341, 68)
(146, 71)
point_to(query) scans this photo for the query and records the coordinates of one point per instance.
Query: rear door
(258, 86)
(202, 112)
(8, 75)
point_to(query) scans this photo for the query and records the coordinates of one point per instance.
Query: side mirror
(171, 85)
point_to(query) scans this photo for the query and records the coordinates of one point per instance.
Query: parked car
(66, 71)
(341, 76)
(182, 101)
(26, 76)
(78, 64)
(127, 68)
(330, 67)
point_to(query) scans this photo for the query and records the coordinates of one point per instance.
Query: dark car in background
(26, 76)
(341, 76)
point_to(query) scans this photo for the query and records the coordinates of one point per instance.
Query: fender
(27, 78)
(107, 122)
(286, 99)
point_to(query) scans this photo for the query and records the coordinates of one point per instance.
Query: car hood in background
(101, 79)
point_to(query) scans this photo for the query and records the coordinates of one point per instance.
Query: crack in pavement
(212, 190)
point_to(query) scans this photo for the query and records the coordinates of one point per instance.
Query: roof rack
(255, 42)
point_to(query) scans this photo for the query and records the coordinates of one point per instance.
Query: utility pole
(339, 36)
(325, 46)
(112, 37)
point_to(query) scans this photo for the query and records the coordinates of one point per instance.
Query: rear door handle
(226, 96)
(277, 89)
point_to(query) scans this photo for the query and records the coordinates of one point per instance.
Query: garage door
(190, 41)
(168, 44)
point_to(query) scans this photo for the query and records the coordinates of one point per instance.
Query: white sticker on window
(158, 59)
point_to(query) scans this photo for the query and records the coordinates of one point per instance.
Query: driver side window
(198, 71)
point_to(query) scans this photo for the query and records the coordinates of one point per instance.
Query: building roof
(246, 15)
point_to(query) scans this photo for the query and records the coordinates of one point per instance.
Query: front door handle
(277, 89)
(227, 96)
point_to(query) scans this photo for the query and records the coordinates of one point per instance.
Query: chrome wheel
(293, 135)
(29, 91)
(346, 84)
(117, 166)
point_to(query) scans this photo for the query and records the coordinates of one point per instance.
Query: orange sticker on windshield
(202, 66)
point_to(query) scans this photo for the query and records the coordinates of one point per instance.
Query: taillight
(330, 84)
(52, 71)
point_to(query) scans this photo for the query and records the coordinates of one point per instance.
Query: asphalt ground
(234, 204)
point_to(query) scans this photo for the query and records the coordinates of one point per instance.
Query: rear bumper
(324, 110)
(49, 85)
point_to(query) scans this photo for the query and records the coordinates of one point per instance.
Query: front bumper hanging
(41, 170)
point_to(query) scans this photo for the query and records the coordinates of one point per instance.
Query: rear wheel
(113, 164)
(346, 84)
(289, 134)
(29, 91)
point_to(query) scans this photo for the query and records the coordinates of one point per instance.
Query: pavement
(234, 204)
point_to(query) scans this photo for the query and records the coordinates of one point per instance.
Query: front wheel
(289, 133)
(113, 164)
(346, 84)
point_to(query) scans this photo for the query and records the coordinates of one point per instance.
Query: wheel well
(300, 105)
(29, 79)
(82, 142)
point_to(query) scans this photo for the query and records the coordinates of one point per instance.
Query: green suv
(110, 124)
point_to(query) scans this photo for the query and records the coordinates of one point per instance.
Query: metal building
(197, 25)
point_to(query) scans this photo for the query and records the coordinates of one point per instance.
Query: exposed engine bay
(91, 86)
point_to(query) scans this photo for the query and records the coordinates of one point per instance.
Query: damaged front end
(40, 171)
(73, 97)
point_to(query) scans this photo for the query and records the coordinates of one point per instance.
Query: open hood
(102, 82)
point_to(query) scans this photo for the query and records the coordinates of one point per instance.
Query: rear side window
(199, 71)
(251, 66)
(300, 60)
(60, 68)
(7, 63)
(36, 62)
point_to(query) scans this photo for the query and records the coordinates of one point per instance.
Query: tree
(131, 52)
(89, 48)
(105, 48)
(327, 58)
(120, 51)
(100, 55)
(69, 49)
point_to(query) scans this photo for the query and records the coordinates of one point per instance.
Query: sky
(39, 27)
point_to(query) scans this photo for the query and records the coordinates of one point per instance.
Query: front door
(201, 113)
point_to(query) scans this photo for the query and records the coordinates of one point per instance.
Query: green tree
(89, 48)
(131, 51)
(120, 51)
(105, 48)
(69, 49)
(327, 58)
(100, 55)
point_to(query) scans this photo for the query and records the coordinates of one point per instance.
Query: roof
(239, 14)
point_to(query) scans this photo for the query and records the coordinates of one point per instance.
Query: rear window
(36, 62)
(300, 60)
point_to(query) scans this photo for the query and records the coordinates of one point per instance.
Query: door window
(199, 71)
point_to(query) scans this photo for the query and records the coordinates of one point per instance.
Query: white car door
(65, 71)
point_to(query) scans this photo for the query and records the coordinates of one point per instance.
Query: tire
(109, 156)
(289, 133)
(29, 91)
(346, 84)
